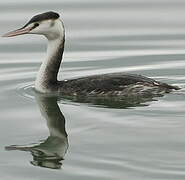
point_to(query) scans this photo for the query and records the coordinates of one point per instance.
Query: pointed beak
(18, 32)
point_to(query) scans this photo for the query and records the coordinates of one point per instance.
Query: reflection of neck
(51, 112)
(47, 76)
(51, 151)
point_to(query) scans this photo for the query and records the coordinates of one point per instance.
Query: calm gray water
(136, 36)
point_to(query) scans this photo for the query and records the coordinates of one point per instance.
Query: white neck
(46, 80)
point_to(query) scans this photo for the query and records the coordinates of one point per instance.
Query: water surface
(144, 142)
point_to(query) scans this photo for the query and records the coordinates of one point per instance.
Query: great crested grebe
(105, 85)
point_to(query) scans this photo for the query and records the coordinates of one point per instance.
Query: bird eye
(36, 24)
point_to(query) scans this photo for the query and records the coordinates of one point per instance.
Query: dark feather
(43, 16)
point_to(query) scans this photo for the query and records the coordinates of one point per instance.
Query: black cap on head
(44, 16)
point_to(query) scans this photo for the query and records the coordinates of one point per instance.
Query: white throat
(46, 80)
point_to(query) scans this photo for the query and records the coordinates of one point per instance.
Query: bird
(121, 85)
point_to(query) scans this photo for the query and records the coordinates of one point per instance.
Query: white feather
(55, 35)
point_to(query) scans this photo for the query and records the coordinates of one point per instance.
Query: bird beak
(18, 32)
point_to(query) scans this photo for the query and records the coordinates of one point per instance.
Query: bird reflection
(51, 151)
(112, 102)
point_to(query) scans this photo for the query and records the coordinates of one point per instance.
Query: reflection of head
(43, 160)
(48, 164)
(51, 151)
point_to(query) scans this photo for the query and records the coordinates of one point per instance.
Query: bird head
(47, 24)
